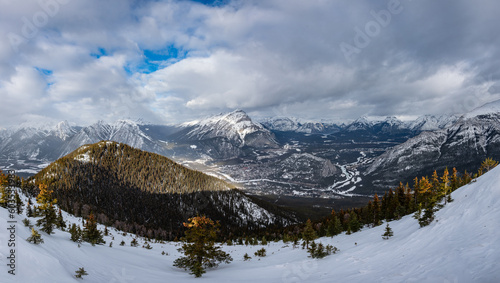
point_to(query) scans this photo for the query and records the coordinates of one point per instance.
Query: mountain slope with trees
(146, 193)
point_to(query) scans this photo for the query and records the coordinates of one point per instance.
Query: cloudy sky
(170, 61)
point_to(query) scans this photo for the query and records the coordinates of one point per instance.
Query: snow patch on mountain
(488, 108)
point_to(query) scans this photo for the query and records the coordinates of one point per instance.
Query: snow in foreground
(462, 245)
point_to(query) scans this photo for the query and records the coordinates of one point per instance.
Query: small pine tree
(35, 237)
(427, 217)
(60, 221)
(47, 210)
(19, 203)
(246, 257)
(260, 253)
(90, 232)
(76, 233)
(264, 241)
(309, 233)
(29, 211)
(80, 272)
(388, 232)
(122, 243)
(320, 251)
(134, 243)
(199, 247)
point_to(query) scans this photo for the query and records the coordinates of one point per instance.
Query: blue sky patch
(100, 52)
(154, 60)
(215, 3)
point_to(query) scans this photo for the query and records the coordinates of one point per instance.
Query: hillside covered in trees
(147, 193)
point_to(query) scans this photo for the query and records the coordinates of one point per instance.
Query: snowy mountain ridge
(465, 144)
(235, 125)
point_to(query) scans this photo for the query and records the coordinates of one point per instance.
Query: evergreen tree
(388, 232)
(90, 232)
(337, 226)
(80, 272)
(76, 233)
(199, 247)
(377, 211)
(264, 241)
(246, 257)
(309, 233)
(354, 222)
(29, 211)
(19, 203)
(4, 195)
(320, 251)
(60, 221)
(260, 253)
(35, 237)
(47, 210)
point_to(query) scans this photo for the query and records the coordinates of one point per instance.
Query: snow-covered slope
(461, 245)
(432, 123)
(488, 108)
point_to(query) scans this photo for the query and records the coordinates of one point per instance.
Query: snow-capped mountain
(124, 131)
(465, 144)
(432, 123)
(29, 148)
(226, 136)
(488, 108)
(286, 124)
(236, 127)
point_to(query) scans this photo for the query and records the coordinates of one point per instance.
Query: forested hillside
(146, 193)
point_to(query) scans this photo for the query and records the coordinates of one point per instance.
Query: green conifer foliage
(76, 233)
(90, 232)
(388, 232)
(35, 237)
(199, 247)
(46, 209)
(309, 233)
(80, 272)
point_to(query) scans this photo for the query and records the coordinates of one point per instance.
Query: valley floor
(461, 245)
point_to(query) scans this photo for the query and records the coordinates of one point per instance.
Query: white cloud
(267, 57)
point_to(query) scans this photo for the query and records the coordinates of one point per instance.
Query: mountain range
(282, 155)
(464, 144)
